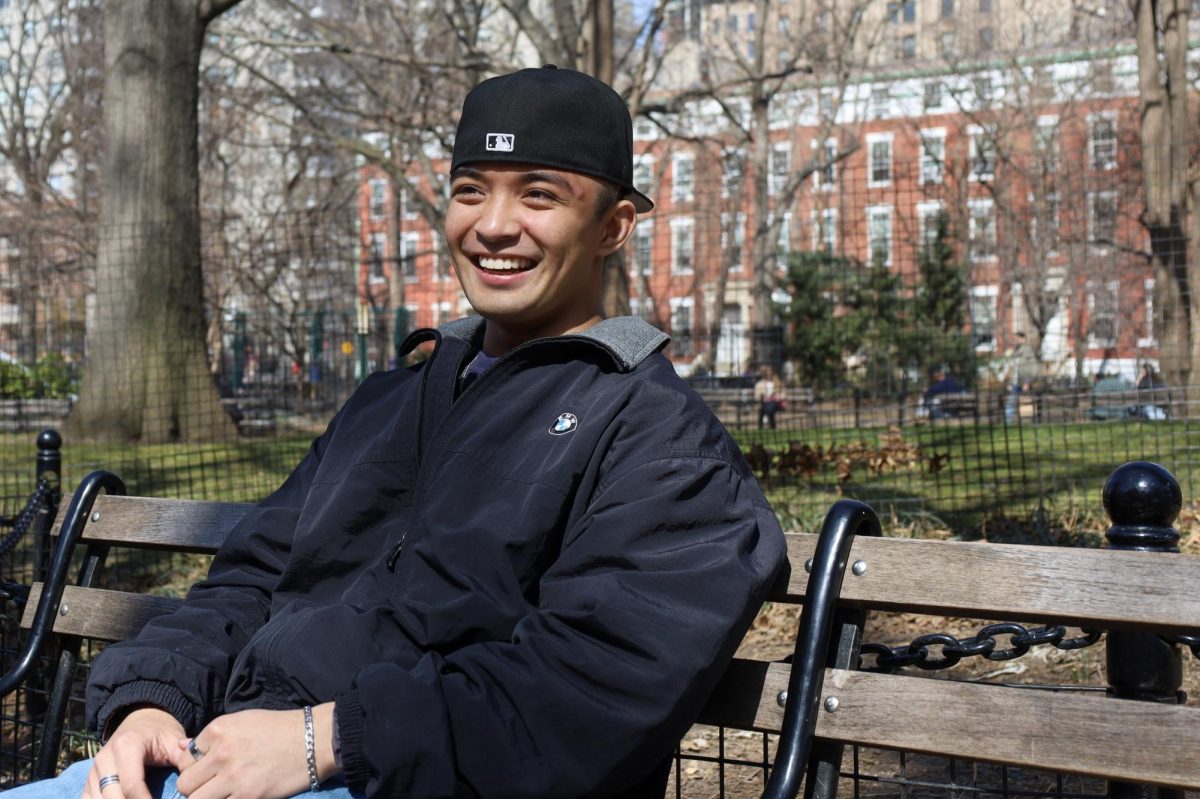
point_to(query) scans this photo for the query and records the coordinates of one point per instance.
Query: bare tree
(50, 54)
(148, 375)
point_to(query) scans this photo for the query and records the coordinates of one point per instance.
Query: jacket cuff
(349, 718)
(131, 695)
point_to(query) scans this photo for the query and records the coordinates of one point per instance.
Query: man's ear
(619, 223)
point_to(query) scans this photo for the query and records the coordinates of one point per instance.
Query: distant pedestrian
(768, 393)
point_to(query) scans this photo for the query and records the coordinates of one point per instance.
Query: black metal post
(845, 519)
(49, 468)
(1143, 500)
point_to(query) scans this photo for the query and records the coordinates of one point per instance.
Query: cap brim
(641, 202)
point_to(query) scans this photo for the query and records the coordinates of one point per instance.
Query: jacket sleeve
(181, 662)
(654, 586)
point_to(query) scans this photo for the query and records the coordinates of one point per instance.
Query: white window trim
(872, 140)
(1092, 196)
(824, 220)
(372, 185)
(776, 182)
(930, 134)
(1033, 220)
(974, 134)
(881, 209)
(1113, 287)
(677, 224)
(410, 244)
(819, 151)
(680, 193)
(644, 230)
(972, 218)
(1148, 304)
(739, 235)
(927, 210)
(1092, 118)
(987, 292)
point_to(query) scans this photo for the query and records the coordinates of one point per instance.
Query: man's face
(528, 248)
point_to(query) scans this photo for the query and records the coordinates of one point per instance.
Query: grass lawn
(1041, 473)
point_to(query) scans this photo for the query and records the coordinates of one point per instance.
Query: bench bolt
(808, 565)
(96, 516)
(859, 568)
(831, 704)
(781, 700)
(64, 610)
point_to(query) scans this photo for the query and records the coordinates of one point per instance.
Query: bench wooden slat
(1010, 582)
(994, 723)
(169, 524)
(100, 614)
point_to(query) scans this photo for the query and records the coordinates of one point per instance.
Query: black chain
(23, 521)
(1192, 642)
(982, 644)
(20, 526)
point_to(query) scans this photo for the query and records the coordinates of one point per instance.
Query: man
(514, 570)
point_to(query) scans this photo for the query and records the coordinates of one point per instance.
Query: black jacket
(523, 591)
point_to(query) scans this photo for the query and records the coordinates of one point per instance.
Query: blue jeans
(70, 784)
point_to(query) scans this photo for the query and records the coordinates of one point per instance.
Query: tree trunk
(147, 376)
(1164, 163)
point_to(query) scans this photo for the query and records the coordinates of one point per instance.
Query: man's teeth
(504, 264)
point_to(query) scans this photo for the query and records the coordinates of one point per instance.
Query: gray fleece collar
(630, 340)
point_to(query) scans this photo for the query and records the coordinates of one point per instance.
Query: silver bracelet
(310, 747)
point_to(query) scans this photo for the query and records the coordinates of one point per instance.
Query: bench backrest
(172, 525)
(1071, 732)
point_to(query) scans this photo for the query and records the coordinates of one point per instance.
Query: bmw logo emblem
(565, 423)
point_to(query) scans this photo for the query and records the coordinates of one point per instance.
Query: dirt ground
(890, 774)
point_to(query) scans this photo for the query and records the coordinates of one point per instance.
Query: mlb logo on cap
(500, 142)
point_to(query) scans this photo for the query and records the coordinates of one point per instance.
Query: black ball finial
(1143, 500)
(49, 439)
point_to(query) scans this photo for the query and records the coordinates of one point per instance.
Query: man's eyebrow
(547, 177)
(465, 172)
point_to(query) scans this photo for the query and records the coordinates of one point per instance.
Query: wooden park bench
(1146, 601)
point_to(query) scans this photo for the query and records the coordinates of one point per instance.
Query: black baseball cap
(551, 117)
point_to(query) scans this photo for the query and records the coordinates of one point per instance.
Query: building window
(985, 6)
(1045, 144)
(982, 148)
(902, 11)
(643, 174)
(643, 248)
(441, 264)
(1103, 141)
(733, 168)
(947, 44)
(879, 235)
(376, 252)
(824, 230)
(408, 205)
(933, 155)
(682, 177)
(880, 102)
(379, 194)
(1102, 218)
(987, 38)
(982, 229)
(681, 325)
(879, 151)
(780, 167)
(927, 223)
(906, 48)
(983, 317)
(1044, 224)
(934, 94)
(825, 175)
(1102, 306)
(733, 239)
(681, 246)
(1148, 340)
(410, 244)
(947, 9)
(783, 242)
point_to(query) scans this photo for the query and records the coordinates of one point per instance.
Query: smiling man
(514, 570)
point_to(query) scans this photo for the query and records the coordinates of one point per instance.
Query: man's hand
(146, 737)
(256, 754)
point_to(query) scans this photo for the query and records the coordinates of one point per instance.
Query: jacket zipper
(395, 552)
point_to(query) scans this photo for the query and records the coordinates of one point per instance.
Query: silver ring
(107, 780)
(195, 751)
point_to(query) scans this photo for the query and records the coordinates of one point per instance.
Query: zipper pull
(394, 555)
